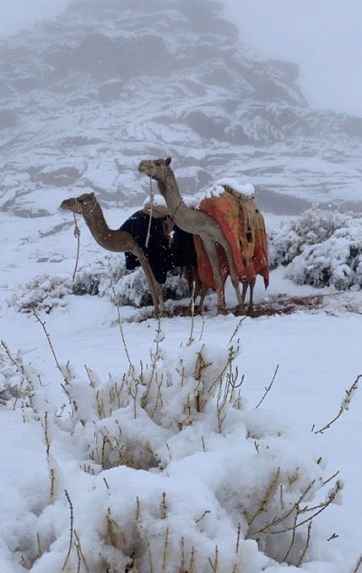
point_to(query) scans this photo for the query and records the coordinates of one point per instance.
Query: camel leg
(251, 300)
(211, 251)
(233, 274)
(245, 290)
(202, 293)
(154, 287)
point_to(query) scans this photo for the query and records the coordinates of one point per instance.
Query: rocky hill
(84, 98)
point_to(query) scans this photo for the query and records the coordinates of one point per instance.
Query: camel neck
(170, 191)
(98, 227)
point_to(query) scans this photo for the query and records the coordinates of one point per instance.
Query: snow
(169, 447)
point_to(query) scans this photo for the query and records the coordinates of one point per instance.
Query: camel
(113, 240)
(194, 221)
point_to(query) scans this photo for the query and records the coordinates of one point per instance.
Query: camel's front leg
(155, 288)
(210, 248)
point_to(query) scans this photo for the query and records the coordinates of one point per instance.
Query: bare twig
(51, 346)
(305, 549)
(344, 406)
(288, 513)
(121, 328)
(236, 329)
(268, 388)
(331, 498)
(292, 540)
(206, 512)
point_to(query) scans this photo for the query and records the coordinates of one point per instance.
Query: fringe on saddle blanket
(244, 228)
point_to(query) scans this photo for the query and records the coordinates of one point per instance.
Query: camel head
(156, 169)
(80, 205)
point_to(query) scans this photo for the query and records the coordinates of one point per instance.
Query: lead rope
(76, 233)
(150, 215)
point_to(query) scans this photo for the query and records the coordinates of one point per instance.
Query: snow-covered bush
(107, 278)
(43, 293)
(165, 469)
(321, 248)
(335, 262)
(311, 228)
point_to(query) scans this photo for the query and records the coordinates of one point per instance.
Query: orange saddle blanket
(243, 226)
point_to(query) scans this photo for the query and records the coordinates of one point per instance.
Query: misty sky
(323, 36)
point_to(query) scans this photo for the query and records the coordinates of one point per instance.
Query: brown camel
(195, 222)
(117, 241)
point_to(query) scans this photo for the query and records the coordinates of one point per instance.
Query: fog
(16, 15)
(323, 37)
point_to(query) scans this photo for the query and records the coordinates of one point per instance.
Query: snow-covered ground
(318, 353)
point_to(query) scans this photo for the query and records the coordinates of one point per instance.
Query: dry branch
(268, 388)
(344, 406)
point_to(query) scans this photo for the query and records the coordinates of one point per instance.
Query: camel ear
(168, 161)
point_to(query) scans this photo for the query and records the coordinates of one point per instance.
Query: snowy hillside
(85, 98)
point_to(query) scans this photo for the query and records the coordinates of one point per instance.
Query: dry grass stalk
(237, 545)
(346, 402)
(47, 444)
(38, 544)
(155, 358)
(81, 556)
(215, 564)
(163, 506)
(191, 568)
(268, 388)
(358, 565)
(269, 493)
(191, 338)
(71, 515)
(165, 550)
